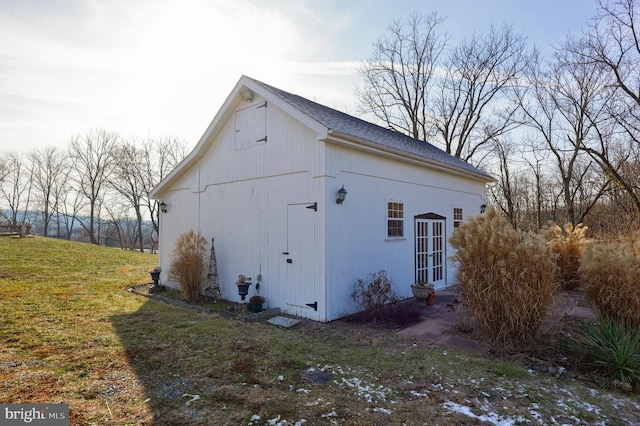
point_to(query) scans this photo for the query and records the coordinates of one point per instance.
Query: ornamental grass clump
(507, 277)
(567, 244)
(188, 264)
(610, 273)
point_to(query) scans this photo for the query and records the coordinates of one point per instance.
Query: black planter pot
(155, 277)
(243, 289)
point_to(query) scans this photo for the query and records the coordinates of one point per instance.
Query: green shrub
(613, 348)
(567, 243)
(188, 264)
(610, 274)
(373, 294)
(507, 277)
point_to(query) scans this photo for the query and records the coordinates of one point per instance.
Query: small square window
(457, 217)
(395, 220)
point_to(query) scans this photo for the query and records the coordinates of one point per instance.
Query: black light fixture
(483, 208)
(163, 207)
(342, 194)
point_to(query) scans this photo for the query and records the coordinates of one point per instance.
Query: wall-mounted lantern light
(163, 207)
(342, 194)
(483, 208)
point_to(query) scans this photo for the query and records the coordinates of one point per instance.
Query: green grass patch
(70, 333)
(510, 370)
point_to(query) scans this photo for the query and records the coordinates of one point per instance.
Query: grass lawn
(70, 333)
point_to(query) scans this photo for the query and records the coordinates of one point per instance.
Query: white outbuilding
(310, 199)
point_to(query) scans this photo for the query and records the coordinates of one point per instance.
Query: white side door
(303, 287)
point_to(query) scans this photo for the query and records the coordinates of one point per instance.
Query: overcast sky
(164, 67)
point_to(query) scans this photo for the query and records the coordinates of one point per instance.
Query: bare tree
(127, 180)
(401, 73)
(121, 226)
(562, 105)
(93, 160)
(47, 168)
(472, 107)
(158, 159)
(612, 45)
(461, 101)
(504, 192)
(613, 42)
(536, 159)
(4, 169)
(68, 202)
(15, 189)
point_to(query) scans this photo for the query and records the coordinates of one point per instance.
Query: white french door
(430, 249)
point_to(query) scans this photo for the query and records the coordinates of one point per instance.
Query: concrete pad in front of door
(438, 321)
(283, 322)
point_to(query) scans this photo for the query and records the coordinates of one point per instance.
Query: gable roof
(336, 125)
(346, 125)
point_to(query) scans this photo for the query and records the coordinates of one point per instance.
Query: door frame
(430, 219)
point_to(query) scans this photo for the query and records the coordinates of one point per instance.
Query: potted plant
(423, 290)
(255, 303)
(155, 277)
(243, 284)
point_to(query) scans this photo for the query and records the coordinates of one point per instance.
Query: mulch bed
(204, 303)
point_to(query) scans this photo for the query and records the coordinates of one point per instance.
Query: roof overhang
(400, 155)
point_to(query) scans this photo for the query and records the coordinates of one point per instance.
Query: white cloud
(144, 66)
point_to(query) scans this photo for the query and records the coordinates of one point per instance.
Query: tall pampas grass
(188, 264)
(611, 276)
(507, 277)
(567, 244)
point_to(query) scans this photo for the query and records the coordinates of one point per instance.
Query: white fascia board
(396, 154)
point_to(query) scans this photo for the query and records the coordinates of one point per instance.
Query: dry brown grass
(188, 264)
(507, 278)
(567, 243)
(611, 276)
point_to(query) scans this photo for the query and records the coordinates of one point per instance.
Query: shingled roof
(345, 124)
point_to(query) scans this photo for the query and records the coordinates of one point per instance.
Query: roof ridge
(341, 122)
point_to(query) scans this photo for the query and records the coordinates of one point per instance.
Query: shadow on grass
(181, 359)
(200, 368)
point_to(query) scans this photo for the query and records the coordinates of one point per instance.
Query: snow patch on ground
(492, 401)
(490, 417)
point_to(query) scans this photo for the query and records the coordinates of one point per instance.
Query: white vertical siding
(253, 199)
(357, 243)
(291, 147)
(244, 196)
(181, 216)
(255, 223)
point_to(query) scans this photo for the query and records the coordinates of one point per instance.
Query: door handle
(289, 260)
